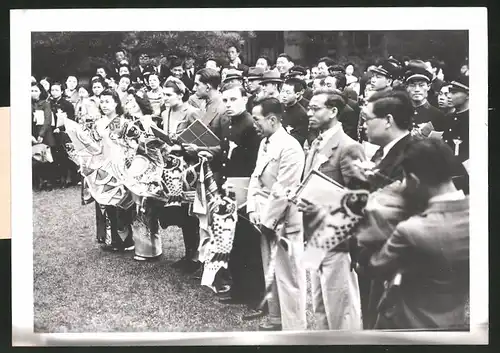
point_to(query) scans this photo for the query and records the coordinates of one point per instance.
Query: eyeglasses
(366, 118)
(315, 109)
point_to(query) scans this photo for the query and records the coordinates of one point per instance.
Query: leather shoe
(224, 290)
(270, 327)
(253, 314)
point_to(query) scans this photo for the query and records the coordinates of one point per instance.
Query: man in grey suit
(430, 249)
(335, 291)
(279, 166)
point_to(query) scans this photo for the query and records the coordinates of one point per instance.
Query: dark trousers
(190, 225)
(245, 263)
(118, 222)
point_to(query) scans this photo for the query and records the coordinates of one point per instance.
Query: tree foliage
(58, 54)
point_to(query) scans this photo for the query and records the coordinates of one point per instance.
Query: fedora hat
(255, 73)
(233, 74)
(271, 76)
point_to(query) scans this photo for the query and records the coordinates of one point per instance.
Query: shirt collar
(449, 196)
(391, 144)
(214, 99)
(276, 134)
(328, 134)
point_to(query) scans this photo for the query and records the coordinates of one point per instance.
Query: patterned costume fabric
(384, 210)
(222, 225)
(332, 226)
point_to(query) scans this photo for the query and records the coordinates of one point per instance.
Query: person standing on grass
(176, 118)
(41, 133)
(61, 110)
(279, 166)
(113, 223)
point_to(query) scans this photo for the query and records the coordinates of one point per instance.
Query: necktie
(314, 152)
(377, 157)
(266, 143)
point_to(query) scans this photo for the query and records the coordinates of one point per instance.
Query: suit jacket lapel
(324, 153)
(394, 153)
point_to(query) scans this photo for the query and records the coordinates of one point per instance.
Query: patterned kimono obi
(156, 100)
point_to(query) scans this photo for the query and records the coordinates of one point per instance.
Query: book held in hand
(320, 190)
(200, 135)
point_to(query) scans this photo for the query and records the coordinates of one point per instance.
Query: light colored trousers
(288, 303)
(335, 294)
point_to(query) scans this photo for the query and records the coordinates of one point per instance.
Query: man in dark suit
(160, 69)
(430, 249)
(335, 289)
(143, 67)
(387, 118)
(189, 72)
(295, 119)
(350, 115)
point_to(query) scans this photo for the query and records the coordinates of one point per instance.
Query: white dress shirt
(391, 144)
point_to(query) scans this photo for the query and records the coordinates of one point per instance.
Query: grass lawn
(79, 288)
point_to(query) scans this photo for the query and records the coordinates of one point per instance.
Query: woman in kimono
(71, 93)
(114, 228)
(41, 131)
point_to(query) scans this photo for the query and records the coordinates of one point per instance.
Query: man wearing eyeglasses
(335, 290)
(418, 79)
(386, 118)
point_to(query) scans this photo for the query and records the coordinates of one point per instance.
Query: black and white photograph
(278, 183)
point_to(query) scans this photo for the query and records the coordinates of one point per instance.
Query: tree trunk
(342, 45)
(384, 45)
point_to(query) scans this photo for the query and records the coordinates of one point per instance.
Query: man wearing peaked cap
(253, 84)
(335, 69)
(456, 131)
(382, 78)
(457, 126)
(417, 79)
(300, 73)
(270, 82)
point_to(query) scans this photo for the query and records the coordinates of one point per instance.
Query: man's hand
(254, 218)
(190, 148)
(306, 206)
(39, 139)
(56, 130)
(206, 155)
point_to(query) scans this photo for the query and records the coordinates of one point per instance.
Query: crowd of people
(398, 129)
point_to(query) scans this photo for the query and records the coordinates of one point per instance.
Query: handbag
(41, 153)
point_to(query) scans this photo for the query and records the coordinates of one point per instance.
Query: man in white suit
(279, 166)
(335, 291)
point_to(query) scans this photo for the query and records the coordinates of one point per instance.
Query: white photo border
(23, 22)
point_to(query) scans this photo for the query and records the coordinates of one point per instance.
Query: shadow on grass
(79, 288)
